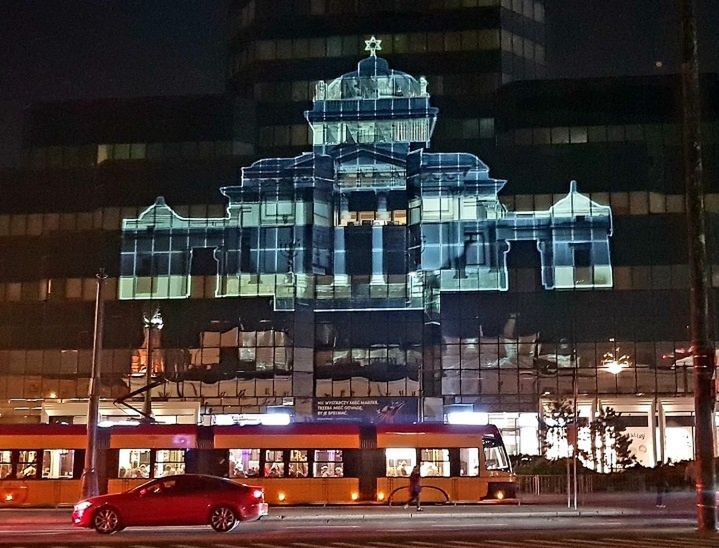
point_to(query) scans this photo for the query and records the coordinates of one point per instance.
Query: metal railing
(553, 485)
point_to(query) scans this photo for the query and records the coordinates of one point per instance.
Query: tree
(610, 445)
(558, 416)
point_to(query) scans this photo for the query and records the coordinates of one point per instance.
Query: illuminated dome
(373, 79)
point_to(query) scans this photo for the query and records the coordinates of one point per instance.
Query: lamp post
(575, 392)
(151, 324)
(90, 486)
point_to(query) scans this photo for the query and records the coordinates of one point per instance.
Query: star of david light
(373, 46)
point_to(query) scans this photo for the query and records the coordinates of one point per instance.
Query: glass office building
(346, 263)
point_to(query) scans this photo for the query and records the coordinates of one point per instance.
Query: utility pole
(151, 323)
(702, 346)
(90, 486)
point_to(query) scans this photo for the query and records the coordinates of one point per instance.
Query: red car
(188, 499)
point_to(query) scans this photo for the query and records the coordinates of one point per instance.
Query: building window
(582, 255)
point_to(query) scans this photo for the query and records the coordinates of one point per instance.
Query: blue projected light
(370, 219)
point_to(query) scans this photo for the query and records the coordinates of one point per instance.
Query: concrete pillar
(652, 421)
(662, 434)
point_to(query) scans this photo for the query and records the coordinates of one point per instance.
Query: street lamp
(152, 323)
(613, 363)
(90, 487)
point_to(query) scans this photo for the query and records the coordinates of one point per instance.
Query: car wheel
(223, 519)
(106, 521)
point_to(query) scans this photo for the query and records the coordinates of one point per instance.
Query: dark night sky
(74, 49)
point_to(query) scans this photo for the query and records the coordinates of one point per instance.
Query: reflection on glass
(495, 456)
(469, 461)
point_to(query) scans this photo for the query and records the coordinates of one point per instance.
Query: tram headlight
(8, 497)
(355, 495)
(499, 495)
(281, 496)
(380, 496)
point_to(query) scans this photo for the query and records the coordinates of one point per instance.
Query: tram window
(5, 464)
(27, 464)
(298, 463)
(274, 463)
(169, 462)
(58, 463)
(495, 457)
(469, 461)
(328, 463)
(434, 462)
(400, 461)
(244, 463)
(134, 463)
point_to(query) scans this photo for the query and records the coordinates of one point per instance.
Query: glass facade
(369, 272)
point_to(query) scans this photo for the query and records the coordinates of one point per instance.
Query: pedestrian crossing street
(615, 541)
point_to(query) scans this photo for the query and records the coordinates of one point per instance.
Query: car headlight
(82, 506)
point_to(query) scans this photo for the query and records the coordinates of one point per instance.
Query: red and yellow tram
(302, 463)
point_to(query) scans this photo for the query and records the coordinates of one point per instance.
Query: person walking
(690, 477)
(661, 483)
(414, 488)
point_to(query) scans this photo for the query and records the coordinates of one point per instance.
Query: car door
(143, 506)
(185, 500)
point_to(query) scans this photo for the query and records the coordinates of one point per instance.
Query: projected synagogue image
(335, 263)
(369, 219)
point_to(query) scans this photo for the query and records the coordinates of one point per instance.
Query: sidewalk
(679, 504)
